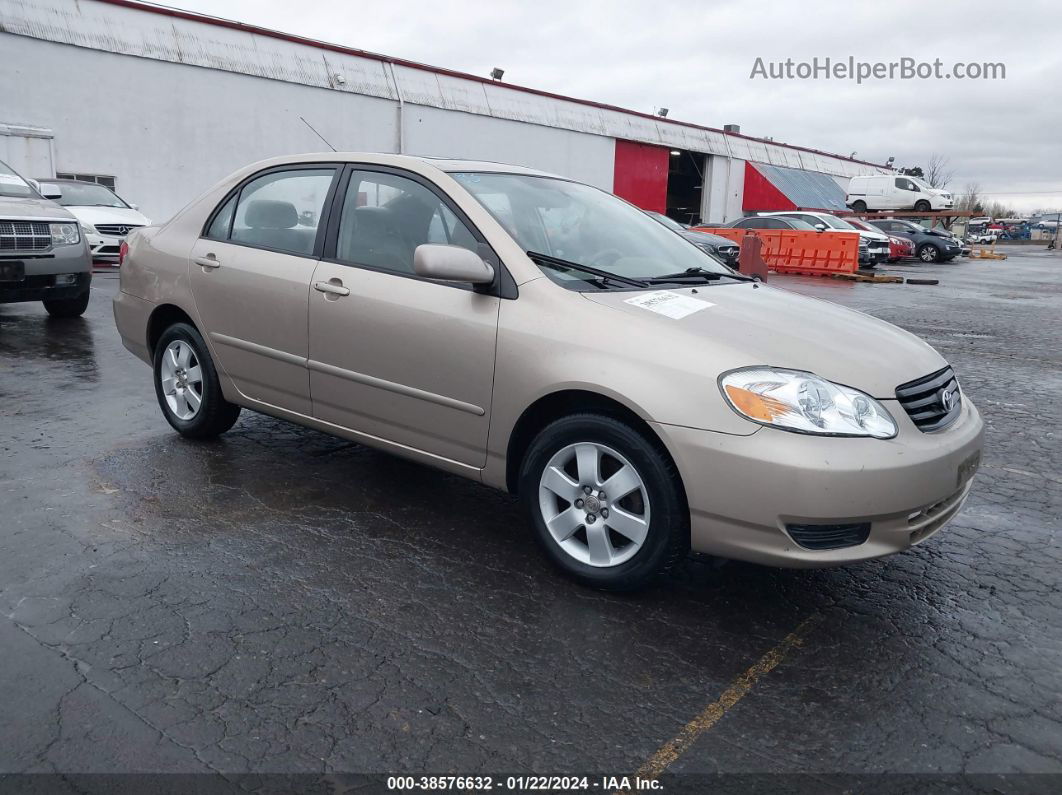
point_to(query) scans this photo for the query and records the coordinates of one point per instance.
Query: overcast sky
(695, 58)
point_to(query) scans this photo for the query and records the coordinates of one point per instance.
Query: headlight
(87, 229)
(797, 401)
(65, 234)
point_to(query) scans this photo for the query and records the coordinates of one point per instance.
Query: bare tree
(939, 171)
(970, 199)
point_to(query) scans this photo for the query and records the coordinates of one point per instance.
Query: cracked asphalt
(281, 601)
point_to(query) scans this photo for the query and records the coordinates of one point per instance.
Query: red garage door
(641, 175)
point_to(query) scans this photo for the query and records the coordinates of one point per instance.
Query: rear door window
(281, 210)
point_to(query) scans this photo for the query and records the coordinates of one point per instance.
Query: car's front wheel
(859, 207)
(605, 501)
(927, 252)
(187, 387)
(68, 307)
(922, 206)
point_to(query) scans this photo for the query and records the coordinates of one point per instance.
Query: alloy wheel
(594, 504)
(181, 377)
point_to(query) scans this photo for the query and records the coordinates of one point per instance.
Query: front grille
(829, 536)
(116, 230)
(933, 401)
(25, 236)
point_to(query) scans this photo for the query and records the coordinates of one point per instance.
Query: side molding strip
(349, 375)
(398, 389)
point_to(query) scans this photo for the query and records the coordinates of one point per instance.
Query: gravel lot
(284, 601)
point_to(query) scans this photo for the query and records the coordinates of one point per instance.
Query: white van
(895, 192)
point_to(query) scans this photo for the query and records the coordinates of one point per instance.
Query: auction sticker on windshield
(665, 302)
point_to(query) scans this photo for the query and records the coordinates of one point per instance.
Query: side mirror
(134, 206)
(50, 190)
(821, 227)
(451, 264)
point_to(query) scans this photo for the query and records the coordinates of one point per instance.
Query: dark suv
(930, 245)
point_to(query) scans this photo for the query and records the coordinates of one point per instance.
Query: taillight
(122, 251)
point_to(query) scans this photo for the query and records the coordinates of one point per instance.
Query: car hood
(709, 238)
(758, 325)
(33, 208)
(877, 237)
(109, 215)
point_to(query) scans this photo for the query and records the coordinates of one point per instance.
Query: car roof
(787, 213)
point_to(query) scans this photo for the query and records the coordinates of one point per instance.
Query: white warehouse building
(161, 103)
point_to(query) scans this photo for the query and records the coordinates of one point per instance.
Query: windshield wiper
(562, 264)
(697, 273)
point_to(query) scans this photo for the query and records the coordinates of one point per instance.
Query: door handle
(330, 288)
(209, 261)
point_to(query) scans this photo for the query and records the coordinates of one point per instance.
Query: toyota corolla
(545, 337)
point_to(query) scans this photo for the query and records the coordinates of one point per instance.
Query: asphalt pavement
(282, 601)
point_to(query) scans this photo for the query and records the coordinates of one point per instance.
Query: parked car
(716, 245)
(930, 245)
(982, 238)
(43, 256)
(105, 217)
(543, 336)
(899, 247)
(772, 221)
(892, 192)
(874, 246)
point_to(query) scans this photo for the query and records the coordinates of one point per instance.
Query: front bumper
(103, 248)
(40, 269)
(43, 288)
(744, 490)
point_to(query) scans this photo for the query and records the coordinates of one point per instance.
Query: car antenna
(317, 133)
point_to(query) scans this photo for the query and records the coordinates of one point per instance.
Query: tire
(68, 307)
(927, 252)
(859, 207)
(190, 371)
(922, 206)
(594, 552)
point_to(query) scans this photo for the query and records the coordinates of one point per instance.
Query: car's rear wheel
(927, 252)
(922, 206)
(859, 207)
(68, 307)
(606, 502)
(187, 386)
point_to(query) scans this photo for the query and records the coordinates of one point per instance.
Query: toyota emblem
(945, 399)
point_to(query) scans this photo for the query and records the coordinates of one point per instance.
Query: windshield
(86, 194)
(584, 225)
(13, 186)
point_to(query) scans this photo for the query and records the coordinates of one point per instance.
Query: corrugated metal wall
(129, 31)
(177, 103)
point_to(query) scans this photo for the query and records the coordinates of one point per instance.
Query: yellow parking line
(713, 713)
